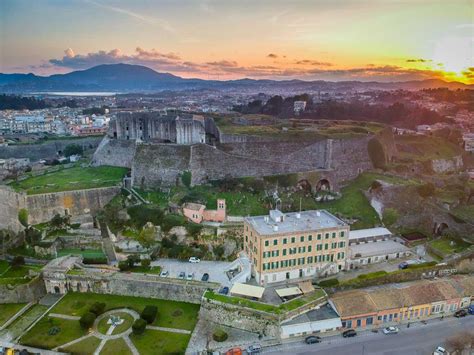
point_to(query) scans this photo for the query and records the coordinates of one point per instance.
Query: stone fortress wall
(43, 207)
(47, 149)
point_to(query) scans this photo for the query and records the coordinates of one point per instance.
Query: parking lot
(215, 269)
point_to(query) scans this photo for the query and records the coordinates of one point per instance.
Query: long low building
(316, 321)
(397, 303)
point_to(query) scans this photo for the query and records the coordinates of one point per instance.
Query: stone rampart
(115, 152)
(45, 150)
(10, 204)
(43, 207)
(29, 292)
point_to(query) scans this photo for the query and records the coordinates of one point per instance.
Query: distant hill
(137, 78)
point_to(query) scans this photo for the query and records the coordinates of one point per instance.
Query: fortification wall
(48, 149)
(29, 292)
(43, 207)
(240, 318)
(157, 164)
(10, 204)
(349, 157)
(115, 152)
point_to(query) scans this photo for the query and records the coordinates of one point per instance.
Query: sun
(454, 54)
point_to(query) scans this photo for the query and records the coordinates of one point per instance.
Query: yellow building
(284, 246)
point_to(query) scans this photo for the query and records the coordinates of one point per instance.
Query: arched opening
(56, 289)
(323, 185)
(439, 228)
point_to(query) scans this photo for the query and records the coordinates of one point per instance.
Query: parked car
(461, 313)
(164, 273)
(182, 275)
(224, 290)
(391, 330)
(349, 333)
(205, 277)
(440, 351)
(254, 349)
(312, 339)
(234, 351)
(470, 309)
(403, 265)
(190, 276)
(193, 259)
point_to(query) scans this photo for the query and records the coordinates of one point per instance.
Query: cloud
(313, 62)
(419, 60)
(272, 55)
(224, 64)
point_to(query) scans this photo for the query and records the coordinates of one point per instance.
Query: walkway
(64, 316)
(171, 330)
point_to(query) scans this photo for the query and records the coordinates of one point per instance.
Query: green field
(422, 148)
(157, 342)
(75, 178)
(116, 347)
(443, 245)
(172, 314)
(86, 253)
(8, 310)
(39, 335)
(16, 275)
(84, 347)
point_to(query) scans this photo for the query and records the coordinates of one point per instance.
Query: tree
(97, 308)
(186, 178)
(139, 326)
(87, 320)
(132, 260)
(124, 265)
(18, 261)
(23, 217)
(149, 313)
(145, 263)
(146, 237)
(73, 149)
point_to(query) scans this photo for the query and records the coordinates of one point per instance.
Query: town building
(283, 246)
(299, 107)
(197, 213)
(403, 303)
(468, 142)
(374, 245)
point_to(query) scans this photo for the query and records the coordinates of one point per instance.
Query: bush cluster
(97, 308)
(87, 320)
(149, 314)
(139, 326)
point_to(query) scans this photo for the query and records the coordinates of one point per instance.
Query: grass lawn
(8, 310)
(147, 270)
(444, 245)
(38, 336)
(17, 275)
(103, 327)
(75, 178)
(84, 347)
(158, 342)
(116, 347)
(18, 327)
(86, 253)
(171, 314)
(464, 212)
(4, 265)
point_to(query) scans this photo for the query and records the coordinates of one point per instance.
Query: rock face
(447, 165)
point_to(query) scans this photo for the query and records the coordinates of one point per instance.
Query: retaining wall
(29, 292)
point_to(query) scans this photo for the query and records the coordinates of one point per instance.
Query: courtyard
(111, 332)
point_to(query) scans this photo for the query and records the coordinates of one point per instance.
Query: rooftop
(370, 232)
(315, 315)
(377, 248)
(304, 221)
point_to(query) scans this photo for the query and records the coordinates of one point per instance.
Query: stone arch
(439, 228)
(57, 289)
(323, 185)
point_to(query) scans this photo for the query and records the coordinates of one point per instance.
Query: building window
(285, 240)
(302, 238)
(369, 321)
(275, 242)
(326, 246)
(359, 322)
(246, 238)
(334, 235)
(293, 239)
(390, 317)
(349, 324)
(310, 259)
(310, 237)
(342, 255)
(284, 252)
(319, 247)
(319, 236)
(379, 317)
(309, 249)
(264, 267)
(327, 236)
(267, 243)
(342, 234)
(343, 324)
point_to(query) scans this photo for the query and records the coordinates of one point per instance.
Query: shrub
(23, 217)
(123, 265)
(390, 216)
(18, 261)
(139, 326)
(72, 149)
(219, 335)
(329, 283)
(95, 260)
(97, 308)
(87, 320)
(149, 313)
(145, 263)
(186, 178)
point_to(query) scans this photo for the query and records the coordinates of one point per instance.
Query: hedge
(97, 308)
(87, 320)
(149, 314)
(139, 326)
(329, 283)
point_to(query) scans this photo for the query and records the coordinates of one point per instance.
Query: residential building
(284, 246)
(299, 106)
(197, 213)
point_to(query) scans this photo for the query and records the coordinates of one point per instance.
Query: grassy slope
(8, 310)
(75, 178)
(158, 342)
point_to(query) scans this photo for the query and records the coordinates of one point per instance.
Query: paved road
(215, 269)
(417, 340)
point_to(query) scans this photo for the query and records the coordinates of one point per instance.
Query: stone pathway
(73, 342)
(64, 316)
(171, 330)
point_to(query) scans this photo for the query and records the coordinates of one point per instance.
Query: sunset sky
(331, 40)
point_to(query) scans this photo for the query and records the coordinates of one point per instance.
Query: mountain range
(136, 78)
